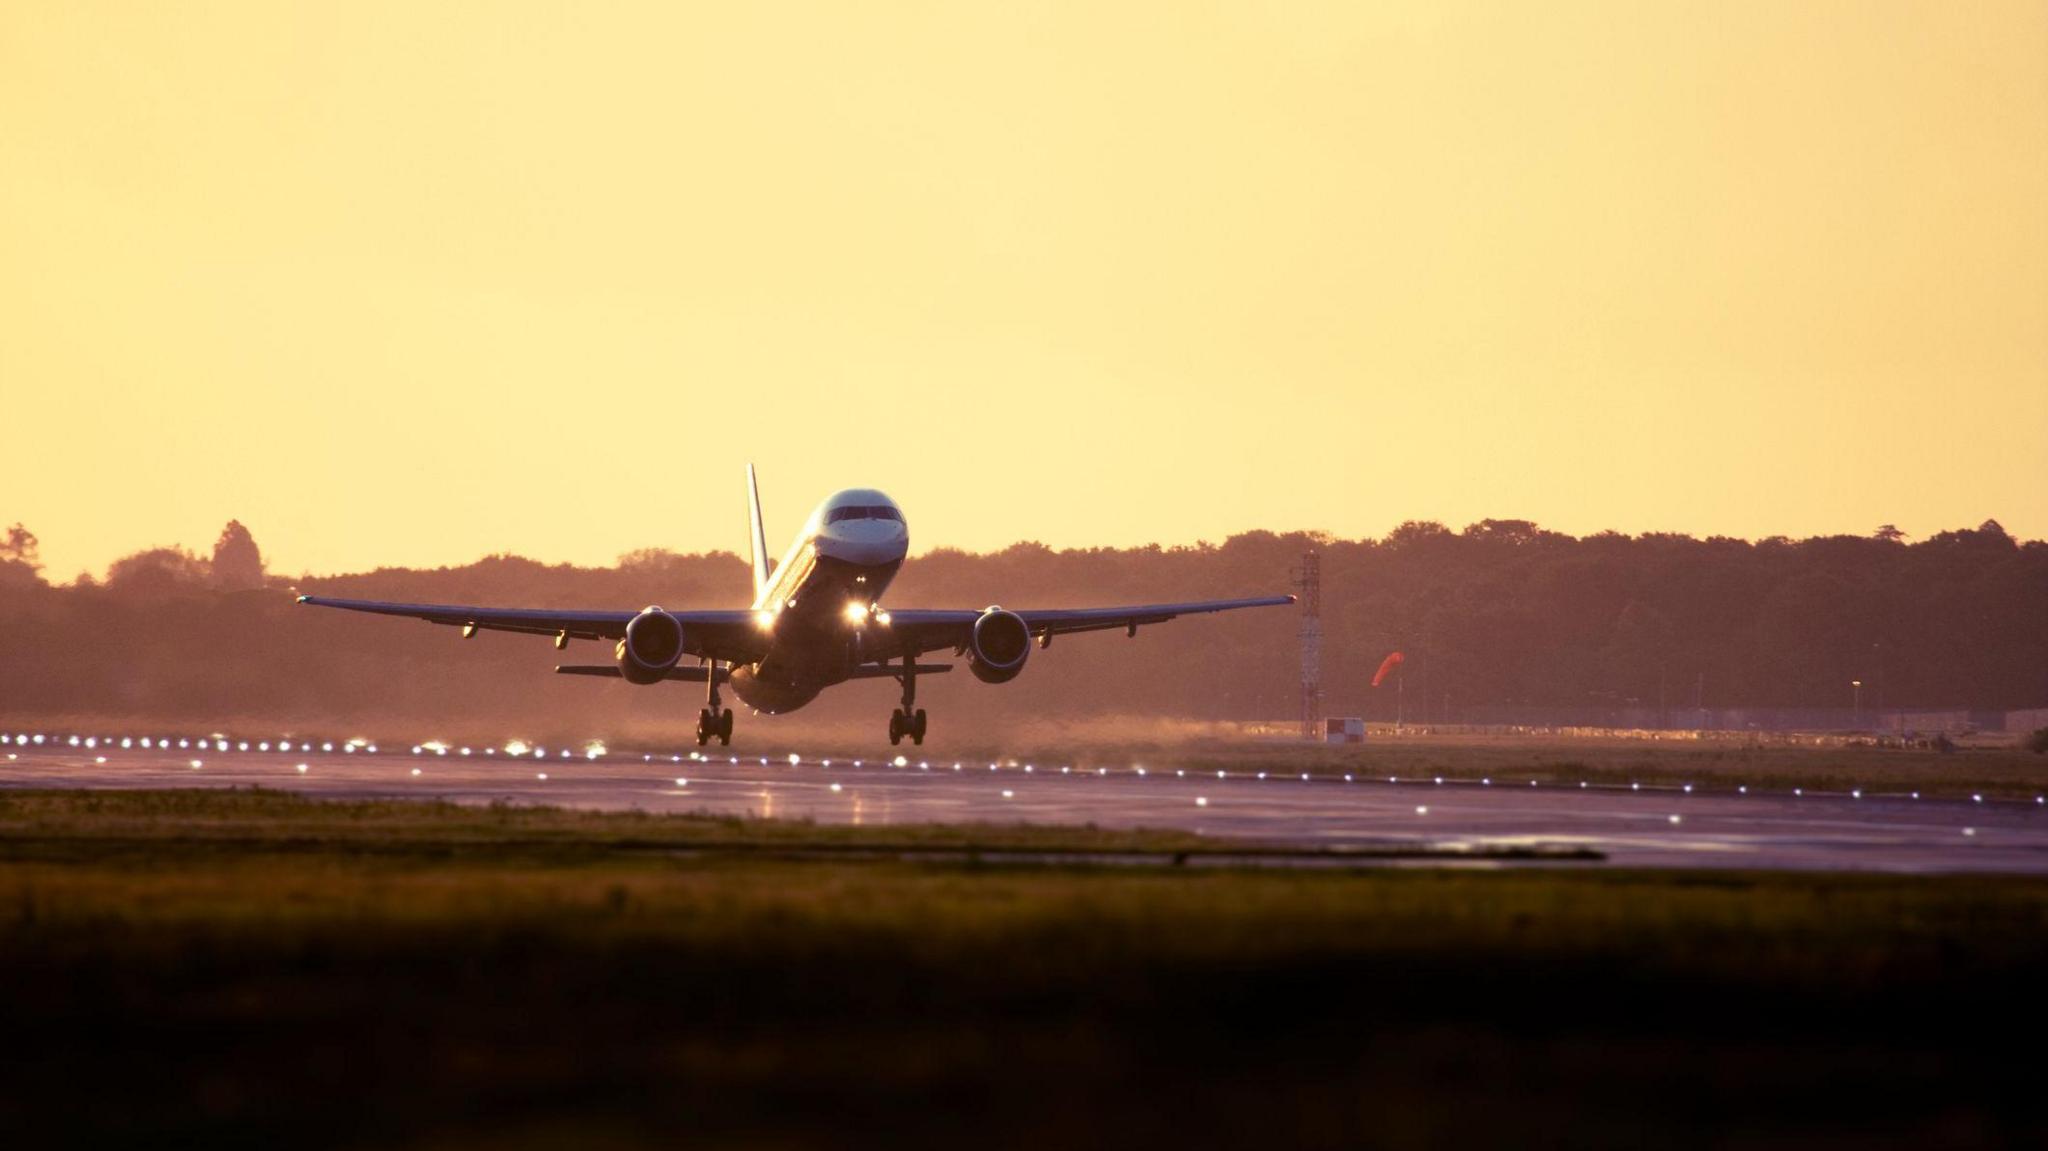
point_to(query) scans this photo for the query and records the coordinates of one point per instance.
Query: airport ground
(1819, 805)
(244, 968)
(1082, 953)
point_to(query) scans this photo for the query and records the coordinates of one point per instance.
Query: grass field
(239, 968)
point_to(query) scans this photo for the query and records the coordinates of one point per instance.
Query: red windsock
(1387, 665)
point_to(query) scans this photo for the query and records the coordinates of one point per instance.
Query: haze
(404, 284)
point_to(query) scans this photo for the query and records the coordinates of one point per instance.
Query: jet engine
(998, 645)
(653, 645)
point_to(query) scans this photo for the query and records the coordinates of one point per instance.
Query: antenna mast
(1309, 580)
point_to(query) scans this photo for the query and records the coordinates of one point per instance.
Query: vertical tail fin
(757, 543)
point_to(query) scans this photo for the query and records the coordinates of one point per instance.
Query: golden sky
(411, 283)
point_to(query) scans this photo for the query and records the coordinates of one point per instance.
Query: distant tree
(647, 558)
(1889, 533)
(1417, 531)
(237, 564)
(1515, 532)
(157, 571)
(21, 546)
(20, 565)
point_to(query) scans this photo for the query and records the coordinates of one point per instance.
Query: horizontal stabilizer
(696, 674)
(892, 670)
(611, 671)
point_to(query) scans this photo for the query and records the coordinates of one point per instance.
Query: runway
(1664, 827)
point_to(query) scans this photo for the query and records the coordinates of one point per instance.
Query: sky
(414, 283)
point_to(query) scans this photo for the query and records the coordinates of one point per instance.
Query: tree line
(1499, 613)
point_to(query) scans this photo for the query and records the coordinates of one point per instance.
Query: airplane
(816, 621)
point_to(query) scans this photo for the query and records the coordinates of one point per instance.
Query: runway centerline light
(1008, 794)
(681, 782)
(1422, 810)
(1201, 801)
(1674, 819)
(302, 769)
(835, 787)
(99, 759)
(196, 765)
(795, 759)
(415, 771)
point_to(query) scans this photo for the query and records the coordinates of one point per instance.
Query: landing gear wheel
(899, 726)
(917, 725)
(705, 727)
(725, 728)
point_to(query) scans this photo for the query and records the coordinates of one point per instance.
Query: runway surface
(1636, 827)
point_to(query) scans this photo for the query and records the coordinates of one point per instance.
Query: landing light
(882, 617)
(856, 613)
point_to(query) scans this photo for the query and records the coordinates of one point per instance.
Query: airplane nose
(865, 542)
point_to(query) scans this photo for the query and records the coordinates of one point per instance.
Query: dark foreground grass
(238, 969)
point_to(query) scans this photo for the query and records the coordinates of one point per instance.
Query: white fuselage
(819, 602)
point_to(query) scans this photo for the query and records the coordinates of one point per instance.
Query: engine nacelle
(998, 646)
(653, 645)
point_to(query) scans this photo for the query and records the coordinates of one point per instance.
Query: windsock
(1387, 666)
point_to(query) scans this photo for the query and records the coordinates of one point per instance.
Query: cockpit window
(863, 513)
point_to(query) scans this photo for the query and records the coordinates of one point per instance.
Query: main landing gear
(909, 719)
(714, 720)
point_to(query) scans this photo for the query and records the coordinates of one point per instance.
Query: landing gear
(903, 723)
(710, 724)
(909, 719)
(714, 720)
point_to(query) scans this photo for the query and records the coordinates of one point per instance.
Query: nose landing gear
(909, 719)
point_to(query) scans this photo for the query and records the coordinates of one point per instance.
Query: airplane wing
(919, 631)
(723, 635)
